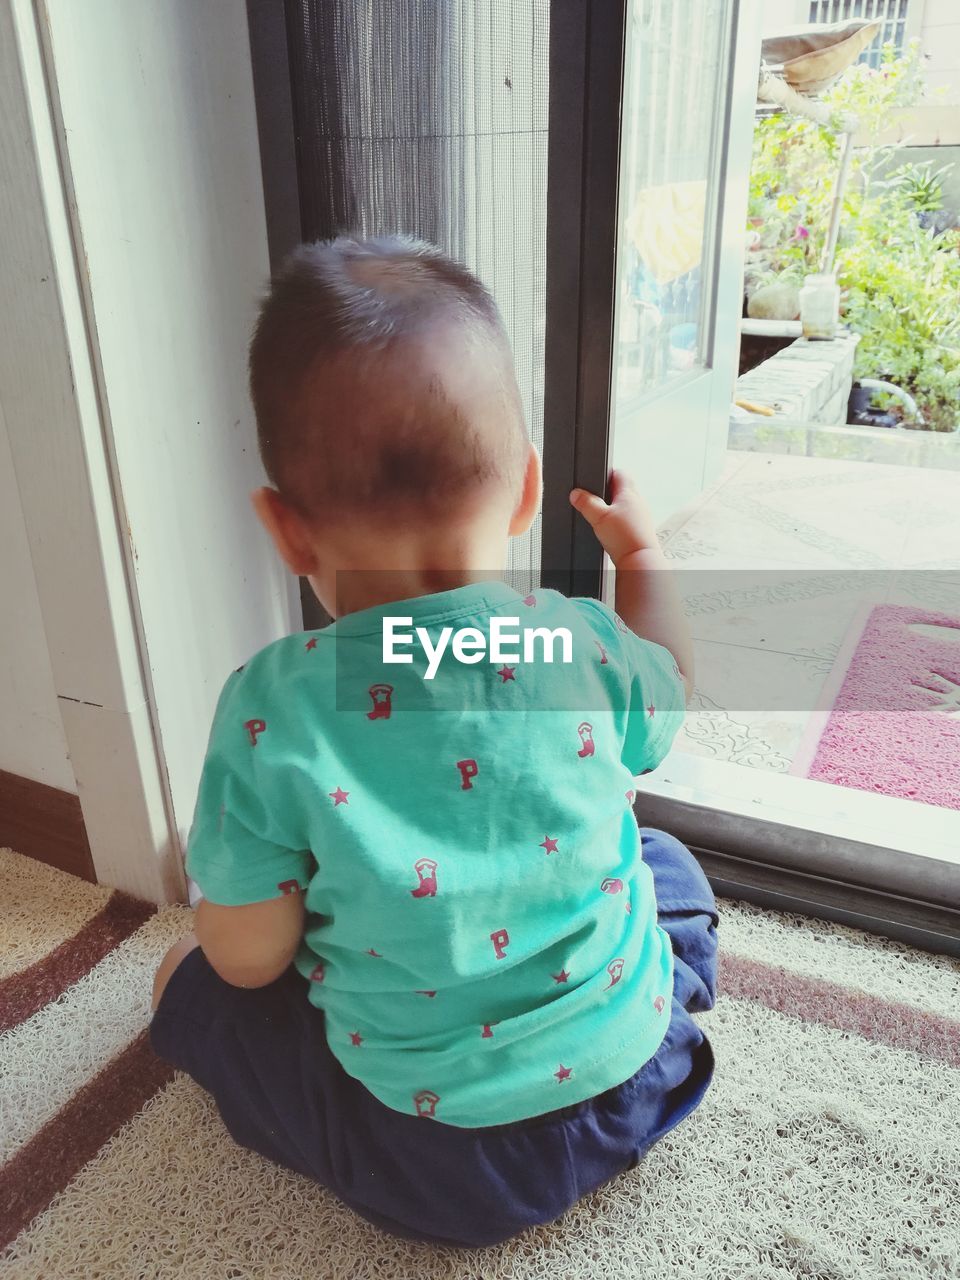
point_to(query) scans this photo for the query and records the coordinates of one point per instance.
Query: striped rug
(828, 1148)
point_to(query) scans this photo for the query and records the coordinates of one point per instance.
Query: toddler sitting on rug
(437, 967)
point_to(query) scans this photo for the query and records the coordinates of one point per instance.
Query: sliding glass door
(590, 161)
(650, 127)
(652, 112)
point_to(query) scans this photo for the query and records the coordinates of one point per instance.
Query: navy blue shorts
(263, 1056)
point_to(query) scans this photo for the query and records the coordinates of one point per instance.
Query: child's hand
(647, 598)
(624, 526)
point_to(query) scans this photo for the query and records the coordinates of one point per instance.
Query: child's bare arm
(646, 596)
(253, 945)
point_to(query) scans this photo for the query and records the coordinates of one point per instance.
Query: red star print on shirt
(339, 796)
(549, 845)
(426, 1103)
(651, 710)
(507, 673)
(371, 952)
(311, 643)
(563, 1074)
(562, 976)
(356, 1038)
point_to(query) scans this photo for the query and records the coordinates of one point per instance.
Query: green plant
(902, 295)
(900, 282)
(921, 186)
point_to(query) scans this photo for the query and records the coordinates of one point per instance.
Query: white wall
(940, 45)
(32, 741)
(161, 145)
(134, 252)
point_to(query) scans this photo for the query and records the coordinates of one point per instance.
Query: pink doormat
(889, 718)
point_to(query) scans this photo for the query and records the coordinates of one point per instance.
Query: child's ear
(288, 530)
(530, 495)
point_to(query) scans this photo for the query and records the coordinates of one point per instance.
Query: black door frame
(587, 43)
(277, 134)
(276, 125)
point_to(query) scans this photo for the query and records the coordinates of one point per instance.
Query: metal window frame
(276, 126)
(277, 132)
(587, 45)
(879, 863)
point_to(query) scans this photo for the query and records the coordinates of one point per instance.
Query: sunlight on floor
(776, 562)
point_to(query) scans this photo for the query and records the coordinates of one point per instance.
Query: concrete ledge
(805, 382)
(939, 450)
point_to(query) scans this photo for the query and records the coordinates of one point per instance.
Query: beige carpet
(829, 1146)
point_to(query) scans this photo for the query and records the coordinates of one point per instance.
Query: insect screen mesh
(429, 117)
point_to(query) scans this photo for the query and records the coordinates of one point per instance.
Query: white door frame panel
(132, 205)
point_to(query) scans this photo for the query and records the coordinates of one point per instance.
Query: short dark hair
(342, 418)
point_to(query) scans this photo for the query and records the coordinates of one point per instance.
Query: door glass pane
(672, 102)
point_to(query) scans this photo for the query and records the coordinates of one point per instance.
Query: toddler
(437, 967)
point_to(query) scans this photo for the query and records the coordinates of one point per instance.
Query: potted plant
(900, 279)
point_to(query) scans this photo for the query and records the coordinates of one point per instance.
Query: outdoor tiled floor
(776, 561)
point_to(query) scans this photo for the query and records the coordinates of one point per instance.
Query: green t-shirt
(481, 930)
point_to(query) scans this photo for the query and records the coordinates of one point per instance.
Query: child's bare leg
(169, 963)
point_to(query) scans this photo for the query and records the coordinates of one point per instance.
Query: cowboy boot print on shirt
(426, 870)
(382, 697)
(587, 746)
